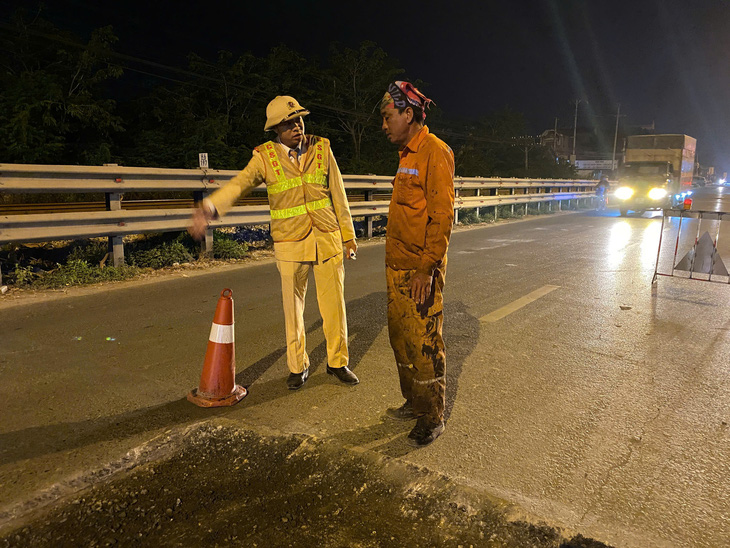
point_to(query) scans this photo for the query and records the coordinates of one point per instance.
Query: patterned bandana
(401, 94)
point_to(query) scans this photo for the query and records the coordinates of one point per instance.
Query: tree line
(66, 100)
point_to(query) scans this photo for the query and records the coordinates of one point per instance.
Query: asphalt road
(575, 390)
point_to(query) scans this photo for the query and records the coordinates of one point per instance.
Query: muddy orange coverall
(420, 219)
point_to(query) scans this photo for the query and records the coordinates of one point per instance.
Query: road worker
(310, 222)
(420, 220)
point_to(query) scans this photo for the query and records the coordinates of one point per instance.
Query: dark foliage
(62, 103)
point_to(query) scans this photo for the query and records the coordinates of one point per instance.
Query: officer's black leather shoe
(423, 433)
(402, 413)
(343, 374)
(296, 380)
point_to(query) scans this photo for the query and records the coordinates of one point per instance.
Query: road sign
(203, 159)
(595, 164)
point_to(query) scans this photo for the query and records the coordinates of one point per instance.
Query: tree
(53, 109)
(219, 109)
(351, 90)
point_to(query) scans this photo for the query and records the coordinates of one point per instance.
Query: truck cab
(657, 172)
(646, 186)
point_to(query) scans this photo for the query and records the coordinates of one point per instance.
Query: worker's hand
(420, 287)
(200, 223)
(351, 249)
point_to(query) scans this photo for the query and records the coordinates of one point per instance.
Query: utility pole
(615, 138)
(575, 124)
(555, 138)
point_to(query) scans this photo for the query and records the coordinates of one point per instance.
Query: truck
(657, 172)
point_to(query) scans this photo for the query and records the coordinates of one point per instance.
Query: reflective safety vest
(299, 198)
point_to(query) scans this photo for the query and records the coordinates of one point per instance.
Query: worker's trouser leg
(294, 278)
(329, 277)
(418, 345)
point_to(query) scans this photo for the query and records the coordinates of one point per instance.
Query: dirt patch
(227, 486)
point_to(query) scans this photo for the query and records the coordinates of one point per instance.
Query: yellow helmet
(282, 109)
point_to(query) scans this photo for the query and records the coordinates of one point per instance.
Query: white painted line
(519, 303)
(509, 241)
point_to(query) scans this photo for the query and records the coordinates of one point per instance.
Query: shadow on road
(461, 333)
(366, 318)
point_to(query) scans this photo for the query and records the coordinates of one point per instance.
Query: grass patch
(75, 272)
(225, 247)
(486, 217)
(62, 264)
(166, 254)
(468, 216)
(505, 212)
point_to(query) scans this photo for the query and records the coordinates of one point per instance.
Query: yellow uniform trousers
(417, 342)
(329, 279)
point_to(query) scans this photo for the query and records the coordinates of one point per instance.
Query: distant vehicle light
(721, 181)
(624, 193)
(657, 193)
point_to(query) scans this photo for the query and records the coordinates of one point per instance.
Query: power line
(256, 96)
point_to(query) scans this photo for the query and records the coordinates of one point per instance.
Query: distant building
(557, 142)
(594, 146)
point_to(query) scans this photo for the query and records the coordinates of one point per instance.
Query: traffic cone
(218, 386)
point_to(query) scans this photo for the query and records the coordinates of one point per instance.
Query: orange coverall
(420, 219)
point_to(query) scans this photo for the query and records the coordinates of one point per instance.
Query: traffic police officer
(310, 222)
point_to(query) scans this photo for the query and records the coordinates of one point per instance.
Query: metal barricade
(695, 254)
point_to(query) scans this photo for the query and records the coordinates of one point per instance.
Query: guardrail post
(478, 194)
(512, 207)
(456, 211)
(206, 246)
(369, 218)
(116, 243)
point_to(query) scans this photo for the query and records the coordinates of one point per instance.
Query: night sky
(665, 61)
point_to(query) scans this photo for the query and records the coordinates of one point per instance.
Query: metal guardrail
(27, 178)
(117, 222)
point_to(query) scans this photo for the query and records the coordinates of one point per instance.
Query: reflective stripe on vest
(300, 210)
(271, 156)
(311, 178)
(284, 184)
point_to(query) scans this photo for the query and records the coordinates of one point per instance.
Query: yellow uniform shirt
(315, 235)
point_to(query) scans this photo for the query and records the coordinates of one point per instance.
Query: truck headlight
(624, 193)
(657, 193)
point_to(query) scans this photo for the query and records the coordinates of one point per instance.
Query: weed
(166, 254)
(226, 248)
(23, 275)
(75, 272)
(505, 212)
(468, 216)
(91, 252)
